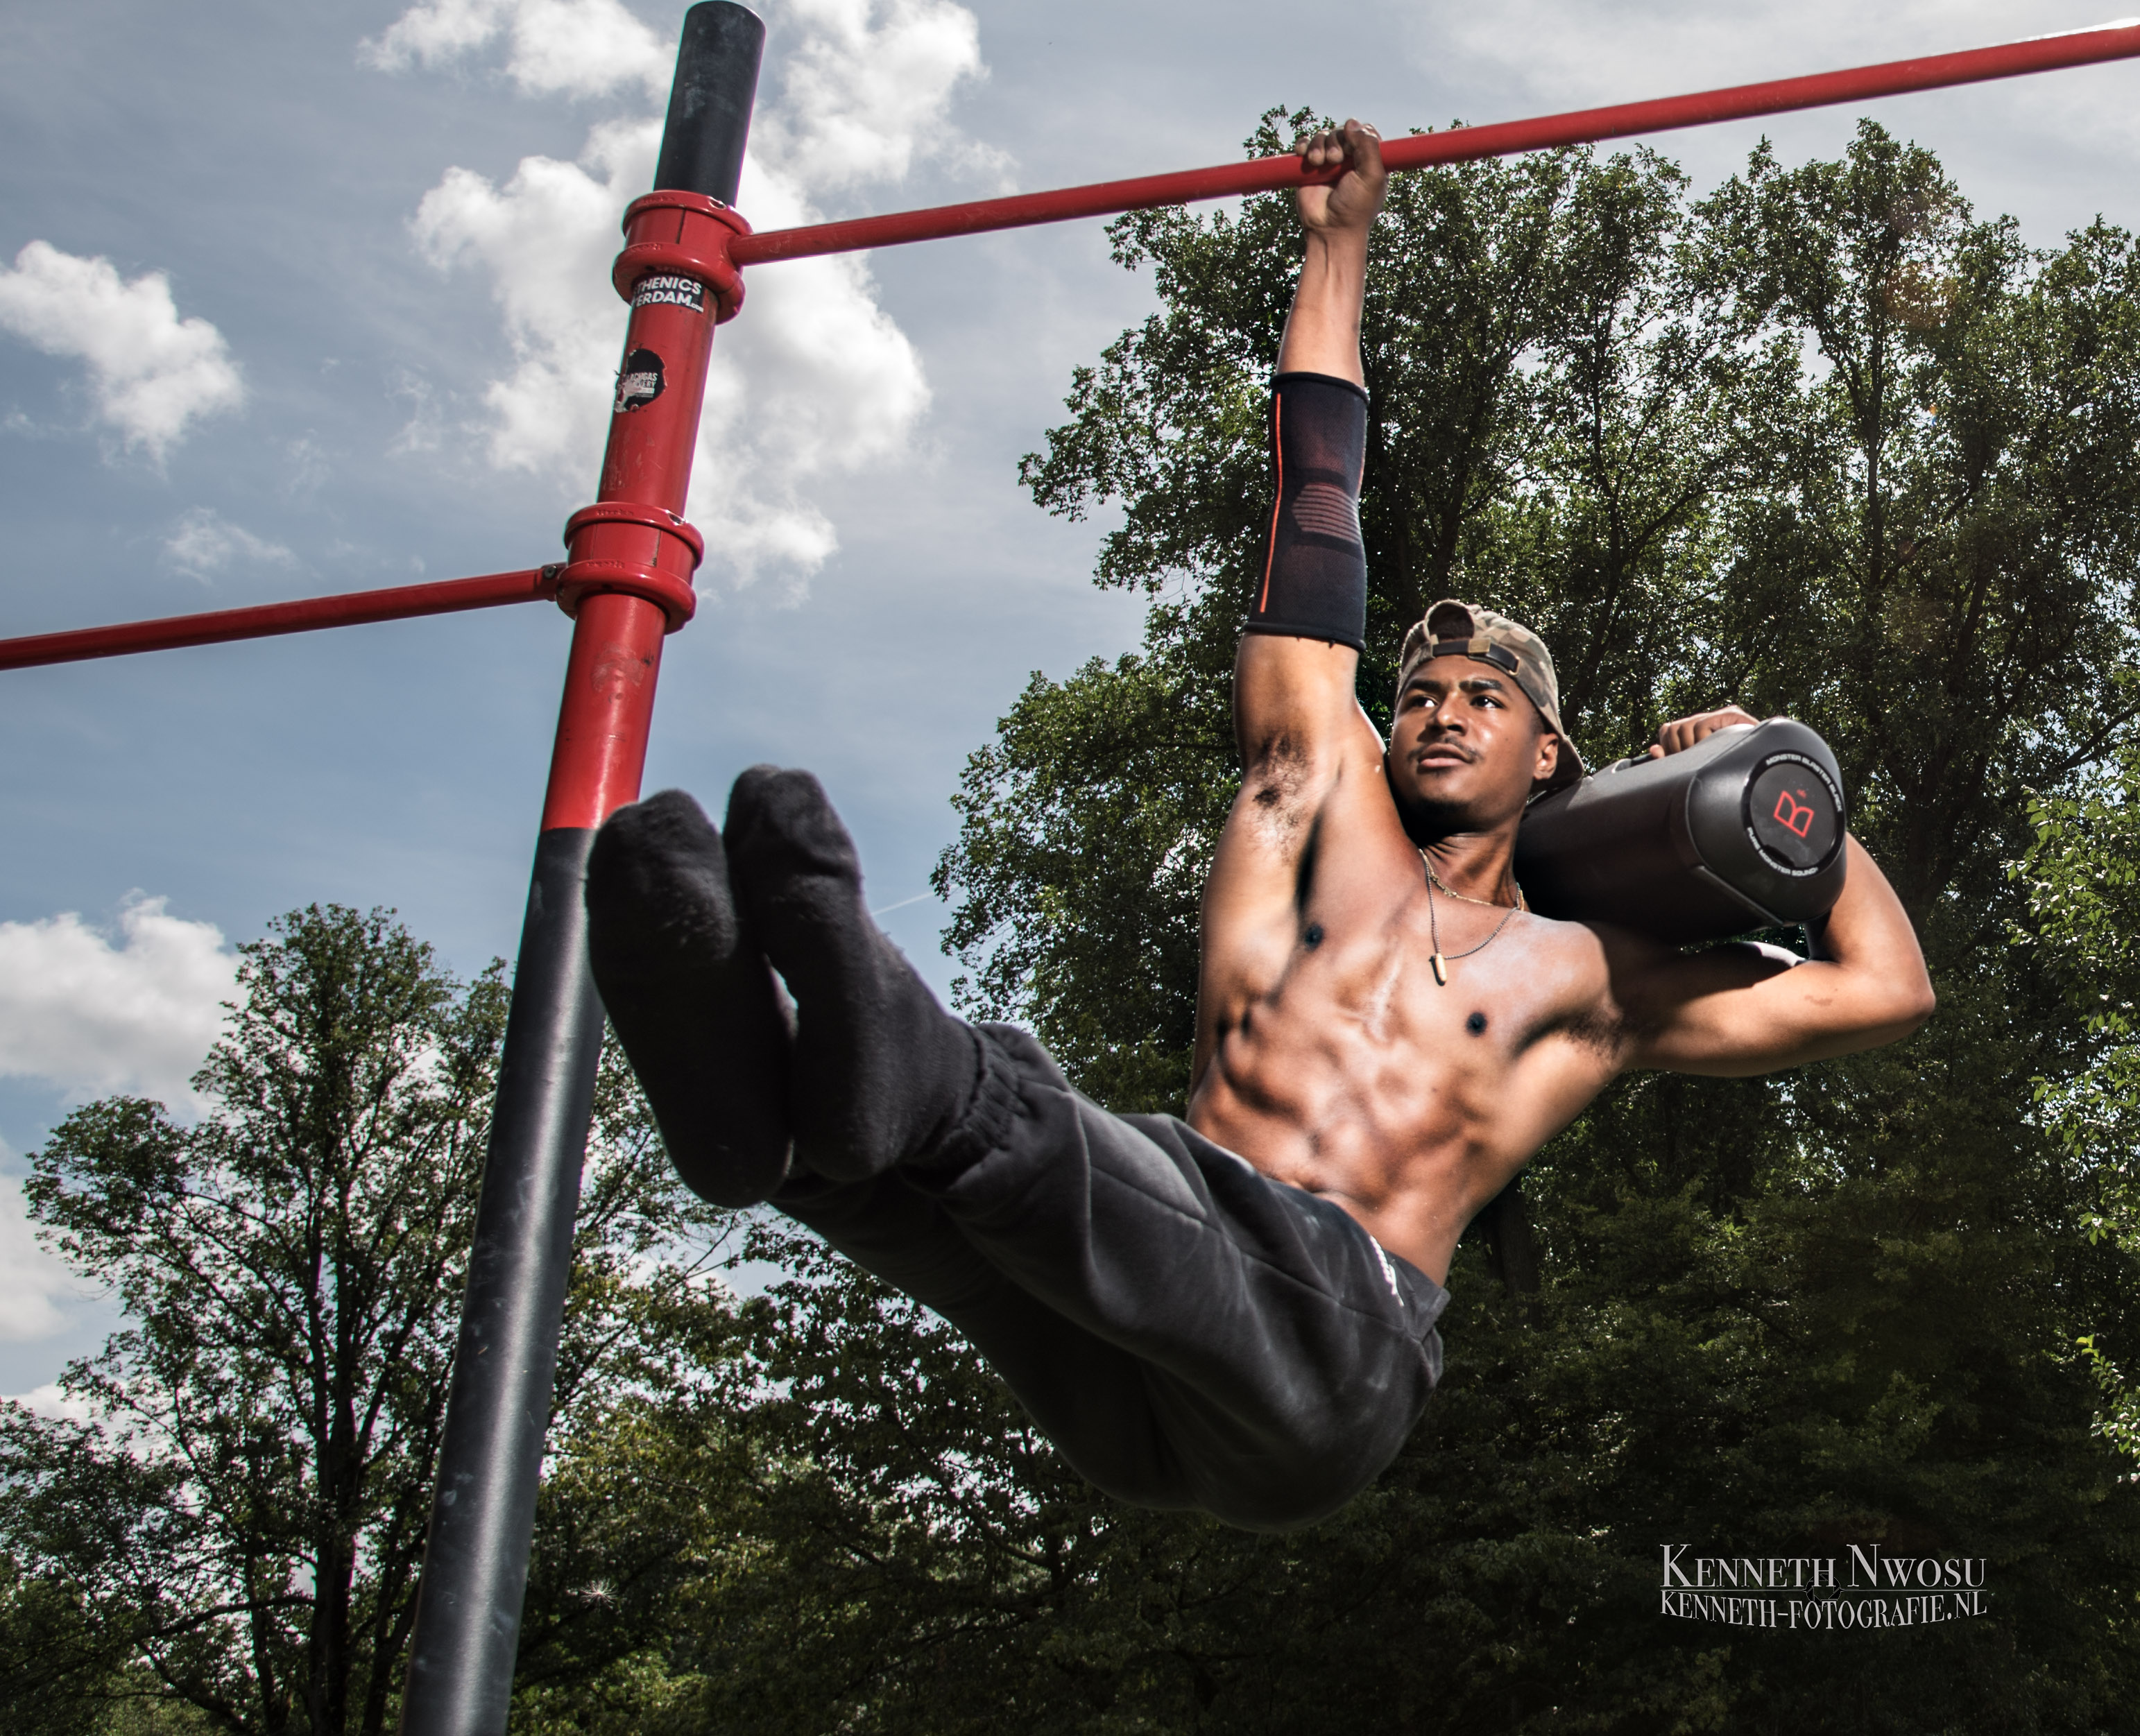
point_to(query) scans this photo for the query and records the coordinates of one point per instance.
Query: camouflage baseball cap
(1453, 628)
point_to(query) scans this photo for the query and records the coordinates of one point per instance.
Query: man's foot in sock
(881, 1073)
(691, 998)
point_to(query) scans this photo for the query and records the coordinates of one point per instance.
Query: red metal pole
(628, 581)
(305, 614)
(1263, 174)
(627, 584)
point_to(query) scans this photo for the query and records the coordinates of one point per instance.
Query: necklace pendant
(1440, 970)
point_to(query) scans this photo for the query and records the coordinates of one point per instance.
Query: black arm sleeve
(1315, 583)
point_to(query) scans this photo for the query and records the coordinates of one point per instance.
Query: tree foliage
(2082, 874)
(1823, 442)
(237, 1526)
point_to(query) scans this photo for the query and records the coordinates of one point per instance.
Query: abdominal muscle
(1356, 1077)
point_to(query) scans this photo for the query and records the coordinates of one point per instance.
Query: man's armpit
(1280, 796)
(1647, 985)
(1604, 1030)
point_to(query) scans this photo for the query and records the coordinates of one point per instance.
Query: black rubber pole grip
(709, 104)
(475, 1560)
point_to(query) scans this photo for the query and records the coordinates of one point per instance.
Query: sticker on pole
(661, 290)
(640, 382)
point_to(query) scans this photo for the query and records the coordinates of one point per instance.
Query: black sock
(881, 1073)
(691, 998)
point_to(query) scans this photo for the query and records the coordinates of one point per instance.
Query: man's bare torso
(1329, 1056)
(1328, 1053)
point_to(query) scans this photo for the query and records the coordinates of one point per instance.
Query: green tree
(888, 1545)
(239, 1528)
(1823, 442)
(48, 1648)
(1555, 411)
(1940, 573)
(2082, 874)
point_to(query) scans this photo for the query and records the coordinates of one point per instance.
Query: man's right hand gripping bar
(1743, 831)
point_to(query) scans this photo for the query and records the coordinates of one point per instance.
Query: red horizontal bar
(1462, 145)
(351, 609)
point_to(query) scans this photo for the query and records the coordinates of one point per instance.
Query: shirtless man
(1233, 1313)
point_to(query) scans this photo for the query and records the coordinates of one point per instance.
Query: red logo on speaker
(1792, 816)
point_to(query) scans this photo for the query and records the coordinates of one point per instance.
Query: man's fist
(1683, 733)
(1352, 200)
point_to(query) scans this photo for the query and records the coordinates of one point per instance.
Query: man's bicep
(1736, 1011)
(1294, 700)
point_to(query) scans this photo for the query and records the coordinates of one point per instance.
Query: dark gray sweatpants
(1188, 1333)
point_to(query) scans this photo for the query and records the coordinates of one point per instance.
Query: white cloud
(310, 470)
(36, 1286)
(815, 377)
(203, 543)
(423, 431)
(546, 238)
(556, 47)
(866, 89)
(150, 372)
(49, 1400)
(91, 1017)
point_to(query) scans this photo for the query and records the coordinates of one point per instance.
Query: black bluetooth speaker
(1742, 831)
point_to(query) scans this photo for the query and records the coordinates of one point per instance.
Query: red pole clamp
(686, 234)
(676, 273)
(642, 551)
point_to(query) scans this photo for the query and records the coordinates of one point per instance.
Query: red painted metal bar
(627, 584)
(700, 240)
(1621, 120)
(628, 581)
(304, 614)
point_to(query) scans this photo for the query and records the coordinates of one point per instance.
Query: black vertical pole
(482, 1511)
(467, 1632)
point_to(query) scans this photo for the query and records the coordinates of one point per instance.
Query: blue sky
(319, 305)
